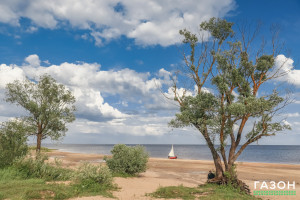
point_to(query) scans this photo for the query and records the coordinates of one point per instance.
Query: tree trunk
(38, 143)
(216, 157)
(219, 168)
(231, 157)
(39, 139)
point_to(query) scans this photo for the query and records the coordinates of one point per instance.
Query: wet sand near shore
(164, 172)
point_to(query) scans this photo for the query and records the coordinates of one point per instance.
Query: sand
(164, 172)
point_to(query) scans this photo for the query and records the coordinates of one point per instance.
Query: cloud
(292, 114)
(91, 87)
(33, 60)
(148, 22)
(90, 105)
(10, 73)
(115, 102)
(136, 125)
(285, 65)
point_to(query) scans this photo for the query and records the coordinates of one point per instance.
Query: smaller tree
(128, 160)
(12, 141)
(50, 106)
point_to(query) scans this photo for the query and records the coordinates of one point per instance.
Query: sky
(117, 56)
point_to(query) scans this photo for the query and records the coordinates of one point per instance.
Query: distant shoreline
(160, 144)
(180, 159)
(276, 154)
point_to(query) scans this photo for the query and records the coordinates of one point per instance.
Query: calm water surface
(254, 153)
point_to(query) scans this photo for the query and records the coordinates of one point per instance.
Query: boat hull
(172, 157)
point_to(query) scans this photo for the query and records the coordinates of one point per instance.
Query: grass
(38, 168)
(207, 191)
(34, 189)
(43, 149)
(17, 184)
(123, 175)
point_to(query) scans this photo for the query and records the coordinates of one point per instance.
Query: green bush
(128, 160)
(38, 168)
(89, 174)
(12, 142)
(10, 173)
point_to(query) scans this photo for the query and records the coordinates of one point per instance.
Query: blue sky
(114, 55)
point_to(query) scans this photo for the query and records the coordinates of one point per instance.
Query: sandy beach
(164, 172)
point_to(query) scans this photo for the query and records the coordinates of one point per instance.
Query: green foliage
(231, 177)
(218, 28)
(50, 105)
(43, 149)
(12, 141)
(89, 174)
(15, 185)
(26, 179)
(128, 160)
(10, 173)
(174, 192)
(237, 77)
(265, 63)
(38, 168)
(196, 110)
(122, 175)
(237, 72)
(207, 191)
(34, 189)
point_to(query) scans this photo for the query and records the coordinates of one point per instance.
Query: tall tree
(50, 106)
(225, 62)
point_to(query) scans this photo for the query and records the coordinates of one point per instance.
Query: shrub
(38, 168)
(12, 141)
(128, 160)
(10, 173)
(89, 174)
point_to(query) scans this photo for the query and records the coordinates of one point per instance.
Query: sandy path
(164, 172)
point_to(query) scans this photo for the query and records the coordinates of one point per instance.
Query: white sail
(171, 154)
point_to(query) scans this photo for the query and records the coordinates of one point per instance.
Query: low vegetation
(43, 149)
(38, 168)
(12, 142)
(94, 174)
(127, 161)
(207, 191)
(34, 178)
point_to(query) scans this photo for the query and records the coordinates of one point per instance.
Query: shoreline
(190, 173)
(186, 159)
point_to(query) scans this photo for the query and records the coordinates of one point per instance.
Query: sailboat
(171, 154)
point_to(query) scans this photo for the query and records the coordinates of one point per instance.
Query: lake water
(254, 153)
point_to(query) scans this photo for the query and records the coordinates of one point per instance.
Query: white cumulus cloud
(148, 22)
(286, 66)
(91, 86)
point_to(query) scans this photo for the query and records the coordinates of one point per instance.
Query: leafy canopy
(226, 64)
(49, 104)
